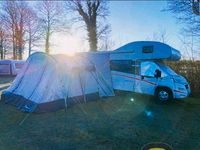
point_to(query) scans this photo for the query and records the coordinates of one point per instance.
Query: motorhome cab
(139, 67)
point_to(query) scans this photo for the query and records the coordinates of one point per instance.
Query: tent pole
(67, 95)
(102, 78)
(96, 78)
(82, 90)
(66, 103)
(66, 98)
(27, 115)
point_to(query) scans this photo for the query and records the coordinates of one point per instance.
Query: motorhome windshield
(166, 69)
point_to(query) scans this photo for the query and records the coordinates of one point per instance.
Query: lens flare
(148, 113)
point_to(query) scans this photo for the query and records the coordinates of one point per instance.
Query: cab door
(148, 80)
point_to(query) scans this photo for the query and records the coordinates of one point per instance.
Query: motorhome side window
(122, 66)
(147, 49)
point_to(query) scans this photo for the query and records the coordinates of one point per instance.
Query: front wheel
(163, 94)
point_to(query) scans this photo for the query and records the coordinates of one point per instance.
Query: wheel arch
(164, 87)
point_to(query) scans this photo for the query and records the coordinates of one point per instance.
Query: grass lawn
(110, 123)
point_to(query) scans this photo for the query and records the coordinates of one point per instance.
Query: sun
(65, 44)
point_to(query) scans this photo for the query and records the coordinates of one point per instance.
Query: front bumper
(182, 92)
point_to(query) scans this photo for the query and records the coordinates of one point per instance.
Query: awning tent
(50, 82)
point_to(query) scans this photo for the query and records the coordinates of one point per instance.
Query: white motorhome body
(139, 67)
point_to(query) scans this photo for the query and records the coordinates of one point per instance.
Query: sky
(130, 21)
(140, 20)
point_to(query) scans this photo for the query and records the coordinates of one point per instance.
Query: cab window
(148, 68)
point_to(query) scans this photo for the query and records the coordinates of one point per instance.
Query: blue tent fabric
(50, 82)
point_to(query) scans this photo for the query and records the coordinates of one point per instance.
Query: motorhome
(139, 67)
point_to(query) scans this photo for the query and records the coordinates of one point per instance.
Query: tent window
(18, 65)
(122, 66)
(147, 49)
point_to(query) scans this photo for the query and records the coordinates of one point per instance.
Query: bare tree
(3, 40)
(106, 43)
(50, 13)
(163, 36)
(184, 12)
(9, 18)
(15, 15)
(33, 30)
(160, 35)
(93, 14)
(22, 9)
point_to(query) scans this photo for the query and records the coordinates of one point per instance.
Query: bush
(191, 71)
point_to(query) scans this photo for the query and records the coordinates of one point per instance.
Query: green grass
(108, 123)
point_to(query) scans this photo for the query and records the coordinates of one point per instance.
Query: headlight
(177, 80)
(181, 89)
(180, 80)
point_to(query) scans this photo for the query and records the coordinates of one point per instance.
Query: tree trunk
(1, 50)
(1, 44)
(20, 46)
(20, 53)
(14, 42)
(4, 52)
(47, 43)
(29, 48)
(47, 33)
(29, 44)
(14, 48)
(92, 38)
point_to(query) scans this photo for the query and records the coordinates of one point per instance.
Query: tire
(163, 94)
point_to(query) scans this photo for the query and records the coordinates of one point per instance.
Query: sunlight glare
(63, 44)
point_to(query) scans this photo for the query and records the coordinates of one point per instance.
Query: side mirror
(157, 73)
(142, 77)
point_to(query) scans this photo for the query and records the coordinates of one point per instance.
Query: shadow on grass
(6, 79)
(4, 87)
(126, 121)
